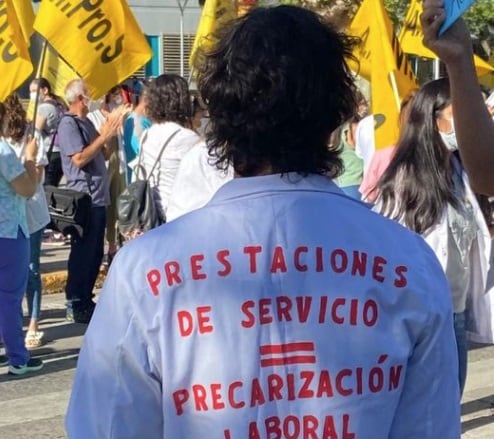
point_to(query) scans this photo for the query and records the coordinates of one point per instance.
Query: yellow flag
(215, 13)
(57, 72)
(384, 64)
(100, 39)
(411, 36)
(25, 15)
(15, 63)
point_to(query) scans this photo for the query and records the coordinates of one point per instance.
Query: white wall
(163, 16)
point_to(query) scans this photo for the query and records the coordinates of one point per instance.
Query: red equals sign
(289, 353)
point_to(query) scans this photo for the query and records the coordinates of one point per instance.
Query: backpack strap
(148, 176)
(89, 177)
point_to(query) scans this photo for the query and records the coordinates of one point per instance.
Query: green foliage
(478, 18)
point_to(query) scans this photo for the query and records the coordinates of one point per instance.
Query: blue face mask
(449, 140)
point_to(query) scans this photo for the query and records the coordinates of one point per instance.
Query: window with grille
(171, 53)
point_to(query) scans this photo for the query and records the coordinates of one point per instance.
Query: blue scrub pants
(14, 262)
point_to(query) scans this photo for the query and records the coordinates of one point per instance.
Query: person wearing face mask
(116, 165)
(84, 151)
(426, 189)
(49, 112)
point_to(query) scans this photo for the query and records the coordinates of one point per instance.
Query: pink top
(378, 164)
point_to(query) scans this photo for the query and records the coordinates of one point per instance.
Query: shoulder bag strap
(138, 167)
(160, 154)
(89, 178)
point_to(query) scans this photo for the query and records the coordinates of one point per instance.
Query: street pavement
(33, 407)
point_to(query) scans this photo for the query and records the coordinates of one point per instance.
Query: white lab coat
(236, 320)
(479, 307)
(196, 182)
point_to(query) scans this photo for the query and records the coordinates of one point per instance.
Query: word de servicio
(278, 260)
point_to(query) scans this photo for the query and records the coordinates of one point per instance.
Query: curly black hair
(276, 85)
(168, 100)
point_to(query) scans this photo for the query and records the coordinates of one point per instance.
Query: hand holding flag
(453, 46)
(411, 39)
(454, 9)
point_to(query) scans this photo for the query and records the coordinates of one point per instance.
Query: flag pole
(41, 64)
(437, 69)
(395, 89)
(182, 45)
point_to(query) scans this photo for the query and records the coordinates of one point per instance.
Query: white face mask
(118, 101)
(449, 140)
(32, 96)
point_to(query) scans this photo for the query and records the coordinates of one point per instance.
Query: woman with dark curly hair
(169, 107)
(283, 307)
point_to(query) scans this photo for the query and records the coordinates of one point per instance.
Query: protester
(135, 124)
(49, 111)
(277, 308)
(364, 141)
(17, 183)
(168, 106)
(37, 215)
(473, 123)
(199, 116)
(116, 170)
(381, 157)
(83, 152)
(447, 215)
(197, 180)
(349, 181)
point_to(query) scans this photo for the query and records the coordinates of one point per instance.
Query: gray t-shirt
(71, 142)
(51, 114)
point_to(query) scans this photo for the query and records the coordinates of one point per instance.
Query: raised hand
(455, 44)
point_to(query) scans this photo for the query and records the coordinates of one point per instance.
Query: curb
(54, 282)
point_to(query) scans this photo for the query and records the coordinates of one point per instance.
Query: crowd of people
(90, 146)
(276, 204)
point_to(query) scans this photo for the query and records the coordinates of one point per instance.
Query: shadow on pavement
(476, 423)
(55, 361)
(67, 330)
(475, 406)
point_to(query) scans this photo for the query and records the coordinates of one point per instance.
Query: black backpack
(136, 207)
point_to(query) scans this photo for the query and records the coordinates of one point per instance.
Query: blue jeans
(86, 255)
(33, 291)
(461, 345)
(14, 260)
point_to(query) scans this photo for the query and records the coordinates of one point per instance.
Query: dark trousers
(53, 171)
(86, 255)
